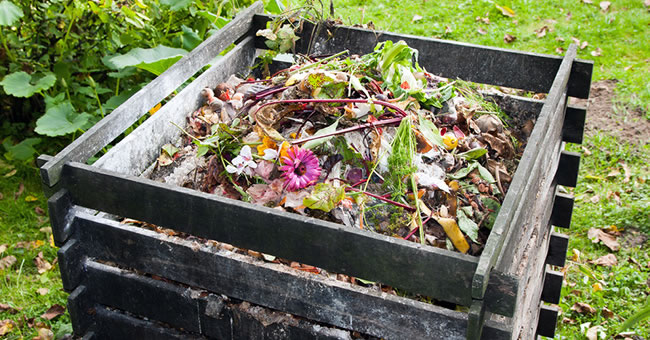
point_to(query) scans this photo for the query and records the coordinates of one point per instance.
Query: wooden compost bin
(130, 282)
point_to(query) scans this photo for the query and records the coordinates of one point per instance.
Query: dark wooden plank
(331, 246)
(547, 320)
(557, 249)
(106, 130)
(47, 190)
(271, 285)
(70, 257)
(141, 147)
(481, 64)
(574, 124)
(562, 210)
(475, 320)
(80, 311)
(112, 324)
(59, 205)
(567, 172)
(525, 172)
(552, 286)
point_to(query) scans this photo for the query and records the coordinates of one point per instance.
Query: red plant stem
(267, 93)
(300, 101)
(407, 207)
(350, 129)
(359, 182)
(417, 228)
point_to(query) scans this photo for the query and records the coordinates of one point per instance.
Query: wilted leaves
(53, 312)
(7, 262)
(41, 264)
(583, 308)
(599, 235)
(608, 260)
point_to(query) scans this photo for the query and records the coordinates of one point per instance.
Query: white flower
(243, 162)
(270, 154)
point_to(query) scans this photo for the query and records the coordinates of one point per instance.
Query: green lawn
(619, 35)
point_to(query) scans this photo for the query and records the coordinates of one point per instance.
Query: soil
(627, 125)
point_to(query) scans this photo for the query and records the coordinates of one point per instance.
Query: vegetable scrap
(372, 142)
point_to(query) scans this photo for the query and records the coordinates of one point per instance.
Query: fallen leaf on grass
(627, 173)
(604, 5)
(505, 10)
(416, 18)
(568, 321)
(613, 173)
(3, 247)
(586, 151)
(542, 32)
(31, 198)
(576, 40)
(45, 333)
(584, 45)
(606, 313)
(614, 195)
(41, 264)
(582, 308)
(448, 30)
(53, 312)
(646, 3)
(481, 31)
(598, 235)
(6, 326)
(485, 20)
(587, 1)
(594, 199)
(11, 173)
(608, 260)
(597, 52)
(560, 39)
(42, 291)
(597, 287)
(7, 262)
(559, 50)
(509, 38)
(7, 308)
(39, 211)
(594, 332)
(21, 189)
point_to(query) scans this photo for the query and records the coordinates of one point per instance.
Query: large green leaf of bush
(155, 60)
(21, 84)
(60, 120)
(9, 13)
(22, 151)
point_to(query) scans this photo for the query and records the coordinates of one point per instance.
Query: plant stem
(101, 108)
(387, 200)
(324, 60)
(350, 129)
(10, 54)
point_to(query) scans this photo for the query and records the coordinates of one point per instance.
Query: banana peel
(453, 232)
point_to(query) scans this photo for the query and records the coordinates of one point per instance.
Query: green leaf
(475, 153)
(324, 197)
(430, 131)
(485, 174)
(155, 60)
(637, 317)
(22, 151)
(61, 120)
(469, 227)
(170, 149)
(275, 7)
(9, 13)
(176, 5)
(464, 171)
(492, 205)
(190, 38)
(21, 84)
(316, 142)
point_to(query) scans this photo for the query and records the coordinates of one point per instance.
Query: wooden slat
(271, 285)
(557, 249)
(140, 148)
(567, 172)
(562, 210)
(80, 312)
(520, 184)
(195, 311)
(331, 246)
(547, 320)
(481, 64)
(552, 286)
(107, 129)
(574, 124)
(70, 258)
(59, 206)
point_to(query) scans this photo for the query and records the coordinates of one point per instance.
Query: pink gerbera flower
(300, 168)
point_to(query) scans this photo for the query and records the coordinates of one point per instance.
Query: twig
(401, 205)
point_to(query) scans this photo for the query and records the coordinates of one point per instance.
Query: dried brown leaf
(508, 38)
(448, 30)
(7, 308)
(587, 1)
(598, 235)
(597, 52)
(575, 40)
(584, 45)
(21, 189)
(7, 262)
(42, 291)
(416, 17)
(560, 39)
(39, 211)
(594, 199)
(41, 264)
(606, 313)
(646, 3)
(592, 333)
(542, 31)
(559, 50)
(586, 151)
(6, 326)
(505, 10)
(627, 173)
(53, 312)
(481, 31)
(3, 247)
(45, 333)
(582, 308)
(604, 5)
(568, 321)
(608, 260)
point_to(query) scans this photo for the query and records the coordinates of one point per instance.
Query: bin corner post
(475, 320)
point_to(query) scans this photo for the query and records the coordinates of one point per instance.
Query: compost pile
(372, 142)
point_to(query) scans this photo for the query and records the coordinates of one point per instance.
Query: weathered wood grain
(520, 183)
(140, 148)
(451, 59)
(557, 249)
(271, 285)
(331, 246)
(107, 129)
